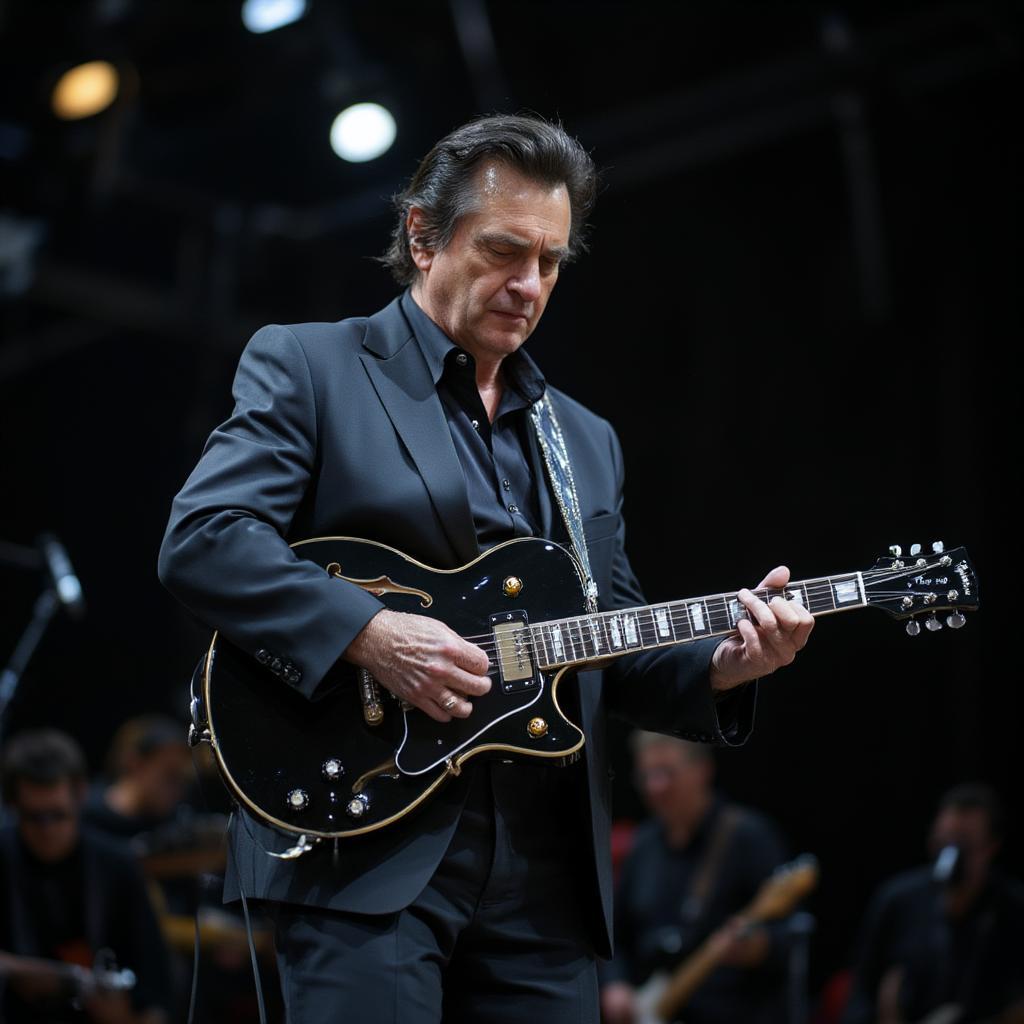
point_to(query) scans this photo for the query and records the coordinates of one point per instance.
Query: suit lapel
(402, 380)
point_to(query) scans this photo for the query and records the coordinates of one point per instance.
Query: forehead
(509, 199)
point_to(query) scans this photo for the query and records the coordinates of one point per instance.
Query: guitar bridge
(513, 647)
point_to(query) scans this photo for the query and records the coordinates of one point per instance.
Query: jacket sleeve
(224, 555)
(668, 690)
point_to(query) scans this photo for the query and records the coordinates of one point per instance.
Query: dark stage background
(800, 312)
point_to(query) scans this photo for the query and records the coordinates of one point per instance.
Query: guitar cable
(257, 977)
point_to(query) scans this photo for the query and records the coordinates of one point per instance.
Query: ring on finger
(449, 702)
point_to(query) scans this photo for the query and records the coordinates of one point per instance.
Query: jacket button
(263, 656)
(293, 676)
(276, 666)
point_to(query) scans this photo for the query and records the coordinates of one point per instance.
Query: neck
(681, 828)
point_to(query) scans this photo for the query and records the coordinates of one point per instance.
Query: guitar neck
(587, 638)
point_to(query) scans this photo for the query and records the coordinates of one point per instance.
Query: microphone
(65, 582)
(948, 868)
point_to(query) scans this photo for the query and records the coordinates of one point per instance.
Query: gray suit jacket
(337, 429)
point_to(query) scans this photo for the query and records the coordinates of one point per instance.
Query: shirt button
(513, 509)
(506, 485)
(462, 359)
(476, 424)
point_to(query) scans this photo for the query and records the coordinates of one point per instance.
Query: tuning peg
(938, 547)
(956, 620)
(915, 549)
(932, 624)
(913, 627)
(895, 550)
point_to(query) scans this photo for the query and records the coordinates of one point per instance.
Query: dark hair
(142, 737)
(42, 756)
(444, 185)
(976, 796)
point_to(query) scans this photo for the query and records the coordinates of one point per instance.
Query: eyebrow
(558, 252)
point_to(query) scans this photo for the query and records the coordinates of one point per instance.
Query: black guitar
(357, 759)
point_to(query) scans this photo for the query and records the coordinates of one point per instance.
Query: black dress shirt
(495, 457)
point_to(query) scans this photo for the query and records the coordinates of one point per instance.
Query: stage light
(85, 90)
(266, 15)
(363, 132)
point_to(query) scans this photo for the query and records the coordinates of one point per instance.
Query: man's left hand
(767, 640)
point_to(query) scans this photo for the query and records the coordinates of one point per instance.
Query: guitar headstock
(784, 889)
(912, 584)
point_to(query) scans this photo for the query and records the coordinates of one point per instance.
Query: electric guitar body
(320, 768)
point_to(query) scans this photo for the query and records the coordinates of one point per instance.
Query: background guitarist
(411, 428)
(66, 893)
(694, 865)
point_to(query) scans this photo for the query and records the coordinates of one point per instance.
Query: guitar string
(720, 622)
(814, 588)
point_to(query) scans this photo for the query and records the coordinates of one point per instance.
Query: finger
(454, 705)
(470, 657)
(759, 612)
(467, 684)
(778, 577)
(802, 633)
(430, 707)
(787, 613)
(752, 648)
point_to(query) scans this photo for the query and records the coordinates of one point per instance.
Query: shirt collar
(521, 372)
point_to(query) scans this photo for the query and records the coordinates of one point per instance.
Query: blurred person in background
(69, 899)
(148, 769)
(693, 866)
(944, 943)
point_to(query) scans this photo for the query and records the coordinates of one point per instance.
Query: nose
(526, 283)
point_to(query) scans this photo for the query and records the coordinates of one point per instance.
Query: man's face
(48, 818)
(488, 287)
(161, 778)
(674, 785)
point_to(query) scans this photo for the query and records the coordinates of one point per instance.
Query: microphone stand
(46, 606)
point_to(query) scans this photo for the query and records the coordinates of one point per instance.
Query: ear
(421, 255)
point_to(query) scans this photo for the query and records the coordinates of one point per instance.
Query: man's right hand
(422, 661)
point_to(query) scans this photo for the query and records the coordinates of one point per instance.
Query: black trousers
(498, 936)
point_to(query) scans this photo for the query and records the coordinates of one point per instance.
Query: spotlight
(266, 15)
(363, 132)
(85, 90)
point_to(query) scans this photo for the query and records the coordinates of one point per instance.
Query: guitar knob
(956, 620)
(298, 799)
(332, 769)
(358, 805)
(913, 627)
(933, 624)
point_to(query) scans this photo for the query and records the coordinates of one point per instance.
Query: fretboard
(586, 638)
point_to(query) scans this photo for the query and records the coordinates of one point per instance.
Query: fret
(616, 633)
(846, 591)
(718, 613)
(798, 592)
(663, 630)
(679, 617)
(697, 613)
(735, 611)
(630, 629)
(556, 642)
(579, 644)
(648, 628)
(549, 650)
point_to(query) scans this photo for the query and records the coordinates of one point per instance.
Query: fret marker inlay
(847, 591)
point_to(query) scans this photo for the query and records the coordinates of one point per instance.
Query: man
(945, 942)
(66, 894)
(412, 428)
(695, 865)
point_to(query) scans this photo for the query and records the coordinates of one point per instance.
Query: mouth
(510, 316)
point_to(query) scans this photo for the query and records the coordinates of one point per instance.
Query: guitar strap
(556, 460)
(710, 864)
